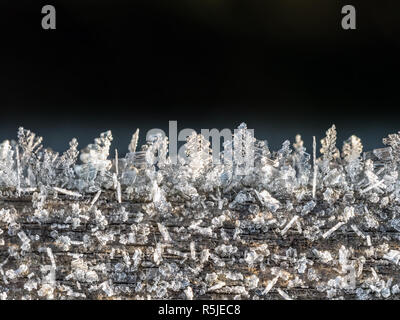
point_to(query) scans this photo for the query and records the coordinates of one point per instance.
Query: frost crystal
(256, 224)
(328, 148)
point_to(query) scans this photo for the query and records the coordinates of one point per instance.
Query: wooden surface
(125, 281)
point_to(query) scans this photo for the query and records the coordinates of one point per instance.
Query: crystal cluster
(84, 225)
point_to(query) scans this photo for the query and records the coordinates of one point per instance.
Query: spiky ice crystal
(145, 227)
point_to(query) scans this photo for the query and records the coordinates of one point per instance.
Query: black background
(282, 66)
(150, 308)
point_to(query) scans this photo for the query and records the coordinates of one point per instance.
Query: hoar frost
(258, 224)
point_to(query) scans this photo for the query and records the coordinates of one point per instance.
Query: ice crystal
(142, 225)
(328, 143)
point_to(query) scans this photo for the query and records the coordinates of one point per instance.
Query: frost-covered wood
(125, 251)
(144, 227)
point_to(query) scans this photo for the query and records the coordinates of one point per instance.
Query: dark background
(282, 66)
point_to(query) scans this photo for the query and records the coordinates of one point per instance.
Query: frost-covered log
(144, 227)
